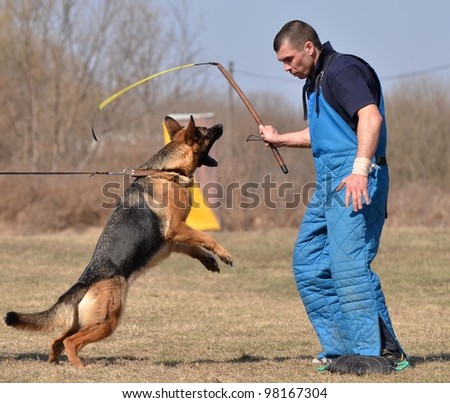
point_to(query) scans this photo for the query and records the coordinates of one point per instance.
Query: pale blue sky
(396, 37)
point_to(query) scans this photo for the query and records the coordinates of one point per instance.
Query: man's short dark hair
(297, 33)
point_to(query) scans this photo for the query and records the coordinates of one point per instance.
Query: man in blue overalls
(341, 229)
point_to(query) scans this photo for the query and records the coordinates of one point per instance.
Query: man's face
(299, 63)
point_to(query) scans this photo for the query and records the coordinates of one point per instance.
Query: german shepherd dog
(145, 227)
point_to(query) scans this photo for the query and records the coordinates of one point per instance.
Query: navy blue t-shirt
(348, 84)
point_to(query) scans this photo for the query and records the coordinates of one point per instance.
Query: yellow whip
(144, 80)
(227, 76)
(134, 85)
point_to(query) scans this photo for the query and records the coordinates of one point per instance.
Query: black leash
(136, 173)
(126, 171)
(90, 173)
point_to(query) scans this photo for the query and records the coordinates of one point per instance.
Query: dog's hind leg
(57, 346)
(99, 314)
(90, 334)
(198, 253)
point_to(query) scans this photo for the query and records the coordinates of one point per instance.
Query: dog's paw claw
(227, 260)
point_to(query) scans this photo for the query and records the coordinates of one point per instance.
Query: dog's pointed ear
(172, 126)
(191, 125)
(191, 134)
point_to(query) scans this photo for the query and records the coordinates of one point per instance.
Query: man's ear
(172, 126)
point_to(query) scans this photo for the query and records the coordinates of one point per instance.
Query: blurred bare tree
(59, 57)
(418, 125)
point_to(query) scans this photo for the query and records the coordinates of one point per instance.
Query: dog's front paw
(211, 264)
(222, 253)
(227, 260)
(225, 257)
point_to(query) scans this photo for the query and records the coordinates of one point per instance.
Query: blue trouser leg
(332, 257)
(313, 277)
(354, 241)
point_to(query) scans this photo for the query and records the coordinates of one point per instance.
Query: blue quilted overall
(335, 245)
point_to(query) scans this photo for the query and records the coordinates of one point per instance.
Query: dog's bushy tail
(62, 314)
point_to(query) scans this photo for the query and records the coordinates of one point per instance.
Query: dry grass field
(246, 324)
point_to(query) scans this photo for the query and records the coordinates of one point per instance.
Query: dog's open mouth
(214, 134)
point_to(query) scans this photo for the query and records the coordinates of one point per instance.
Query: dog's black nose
(216, 128)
